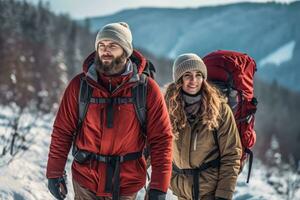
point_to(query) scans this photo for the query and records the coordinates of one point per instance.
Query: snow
(282, 54)
(43, 93)
(22, 58)
(5, 112)
(13, 78)
(24, 177)
(257, 187)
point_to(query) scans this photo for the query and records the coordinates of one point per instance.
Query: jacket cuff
(160, 181)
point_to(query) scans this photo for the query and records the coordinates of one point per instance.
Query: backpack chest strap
(111, 101)
(138, 99)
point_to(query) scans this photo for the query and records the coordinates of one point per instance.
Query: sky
(79, 9)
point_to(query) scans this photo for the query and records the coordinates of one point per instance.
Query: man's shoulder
(77, 78)
(74, 83)
(153, 90)
(152, 83)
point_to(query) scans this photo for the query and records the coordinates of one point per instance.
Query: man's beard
(116, 66)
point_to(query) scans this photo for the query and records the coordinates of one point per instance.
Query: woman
(207, 147)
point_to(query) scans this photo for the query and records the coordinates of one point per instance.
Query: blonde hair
(210, 106)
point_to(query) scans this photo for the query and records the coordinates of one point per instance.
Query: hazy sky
(87, 8)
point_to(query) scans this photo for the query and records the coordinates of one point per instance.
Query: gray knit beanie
(188, 62)
(118, 32)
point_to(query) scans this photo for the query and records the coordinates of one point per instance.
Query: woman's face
(192, 82)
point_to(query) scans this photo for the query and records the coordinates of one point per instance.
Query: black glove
(157, 195)
(220, 198)
(58, 187)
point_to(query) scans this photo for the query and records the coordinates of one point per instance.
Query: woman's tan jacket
(190, 150)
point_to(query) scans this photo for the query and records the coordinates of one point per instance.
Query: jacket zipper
(195, 141)
(101, 130)
(194, 135)
(110, 87)
(110, 95)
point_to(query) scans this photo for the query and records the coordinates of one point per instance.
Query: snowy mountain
(259, 29)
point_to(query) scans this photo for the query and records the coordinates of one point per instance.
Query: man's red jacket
(123, 138)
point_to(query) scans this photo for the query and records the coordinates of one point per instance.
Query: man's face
(108, 51)
(112, 57)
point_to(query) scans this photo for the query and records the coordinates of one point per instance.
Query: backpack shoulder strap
(149, 69)
(85, 94)
(139, 94)
(215, 133)
(217, 150)
(217, 142)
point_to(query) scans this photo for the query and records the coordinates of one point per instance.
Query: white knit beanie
(118, 32)
(188, 62)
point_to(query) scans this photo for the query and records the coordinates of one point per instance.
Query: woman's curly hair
(211, 100)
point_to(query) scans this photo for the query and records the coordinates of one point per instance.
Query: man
(108, 162)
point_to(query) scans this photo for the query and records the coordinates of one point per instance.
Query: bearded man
(108, 160)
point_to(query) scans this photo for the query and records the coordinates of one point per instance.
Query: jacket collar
(136, 65)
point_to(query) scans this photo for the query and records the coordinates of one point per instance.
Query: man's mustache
(106, 56)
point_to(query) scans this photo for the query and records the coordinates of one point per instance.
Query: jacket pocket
(208, 181)
(174, 186)
(181, 186)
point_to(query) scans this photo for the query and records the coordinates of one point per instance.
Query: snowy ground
(24, 177)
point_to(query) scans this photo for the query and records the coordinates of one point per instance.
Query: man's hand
(58, 187)
(156, 195)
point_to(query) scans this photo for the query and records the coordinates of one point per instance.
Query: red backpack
(233, 73)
